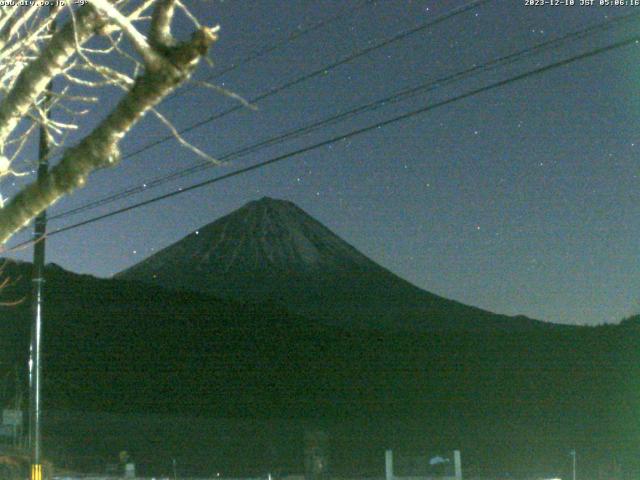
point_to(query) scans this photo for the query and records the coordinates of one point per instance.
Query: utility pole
(457, 463)
(573, 455)
(37, 279)
(35, 360)
(388, 465)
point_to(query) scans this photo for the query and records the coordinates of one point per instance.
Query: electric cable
(353, 133)
(277, 45)
(396, 97)
(320, 71)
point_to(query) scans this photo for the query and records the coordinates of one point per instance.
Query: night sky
(520, 200)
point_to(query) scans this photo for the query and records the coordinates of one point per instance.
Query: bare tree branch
(32, 56)
(34, 78)
(99, 149)
(151, 58)
(160, 32)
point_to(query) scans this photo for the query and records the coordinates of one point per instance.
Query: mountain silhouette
(273, 250)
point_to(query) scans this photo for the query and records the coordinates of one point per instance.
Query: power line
(451, 14)
(353, 133)
(396, 97)
(277, 45)
(321, 71)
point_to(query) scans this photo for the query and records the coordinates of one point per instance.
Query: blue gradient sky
(522, 200)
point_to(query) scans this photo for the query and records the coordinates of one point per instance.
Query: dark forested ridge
(506, 398)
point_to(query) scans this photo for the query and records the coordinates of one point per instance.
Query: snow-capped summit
(273, 250)
(264, 235)
(271, 234)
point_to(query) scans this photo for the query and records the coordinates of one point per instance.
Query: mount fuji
(272, 250)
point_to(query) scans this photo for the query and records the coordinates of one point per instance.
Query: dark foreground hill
(511, 400)
(272, 250)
